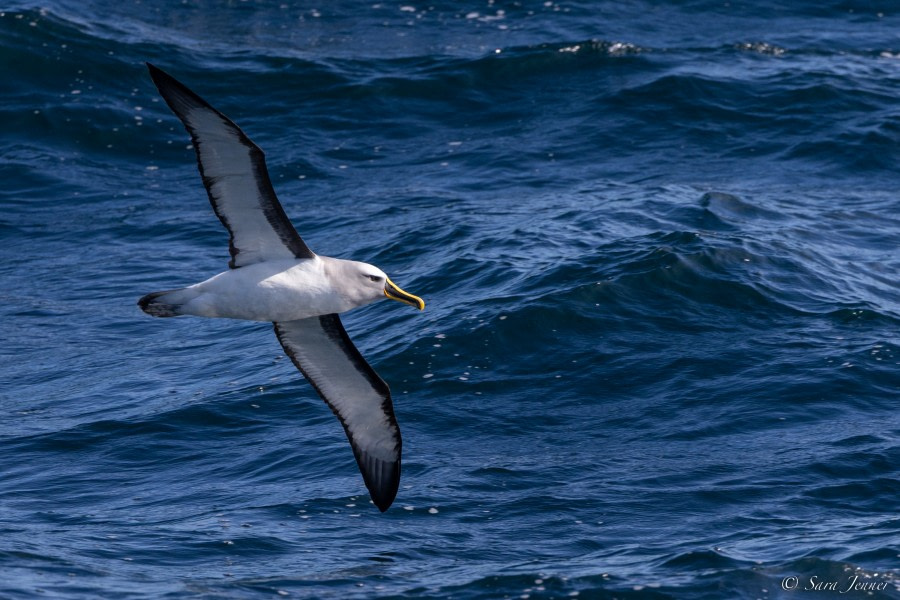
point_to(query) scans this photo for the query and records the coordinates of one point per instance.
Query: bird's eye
(374, 278)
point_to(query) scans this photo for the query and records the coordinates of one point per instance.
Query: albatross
(275, 277)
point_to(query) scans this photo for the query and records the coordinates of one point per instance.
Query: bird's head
(371, 283)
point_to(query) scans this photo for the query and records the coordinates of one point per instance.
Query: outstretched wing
(234, 172)
(322, 350)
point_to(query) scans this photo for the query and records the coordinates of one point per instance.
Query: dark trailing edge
(361, 400)
(234, 173)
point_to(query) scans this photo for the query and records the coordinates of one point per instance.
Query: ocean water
(659, 244)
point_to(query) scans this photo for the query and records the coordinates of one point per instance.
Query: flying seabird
(275, 277)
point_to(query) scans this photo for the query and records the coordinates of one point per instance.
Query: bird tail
(167, 303)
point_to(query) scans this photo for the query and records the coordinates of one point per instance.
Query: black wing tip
(383, 499)
(382, 478)
(178, 96)
(159, 76)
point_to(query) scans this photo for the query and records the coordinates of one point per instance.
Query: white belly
(269, 291)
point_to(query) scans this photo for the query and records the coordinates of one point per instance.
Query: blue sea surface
(659, 244)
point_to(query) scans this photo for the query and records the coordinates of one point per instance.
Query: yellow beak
(395, 293)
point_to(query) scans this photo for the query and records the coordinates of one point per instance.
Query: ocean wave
(798, 106)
